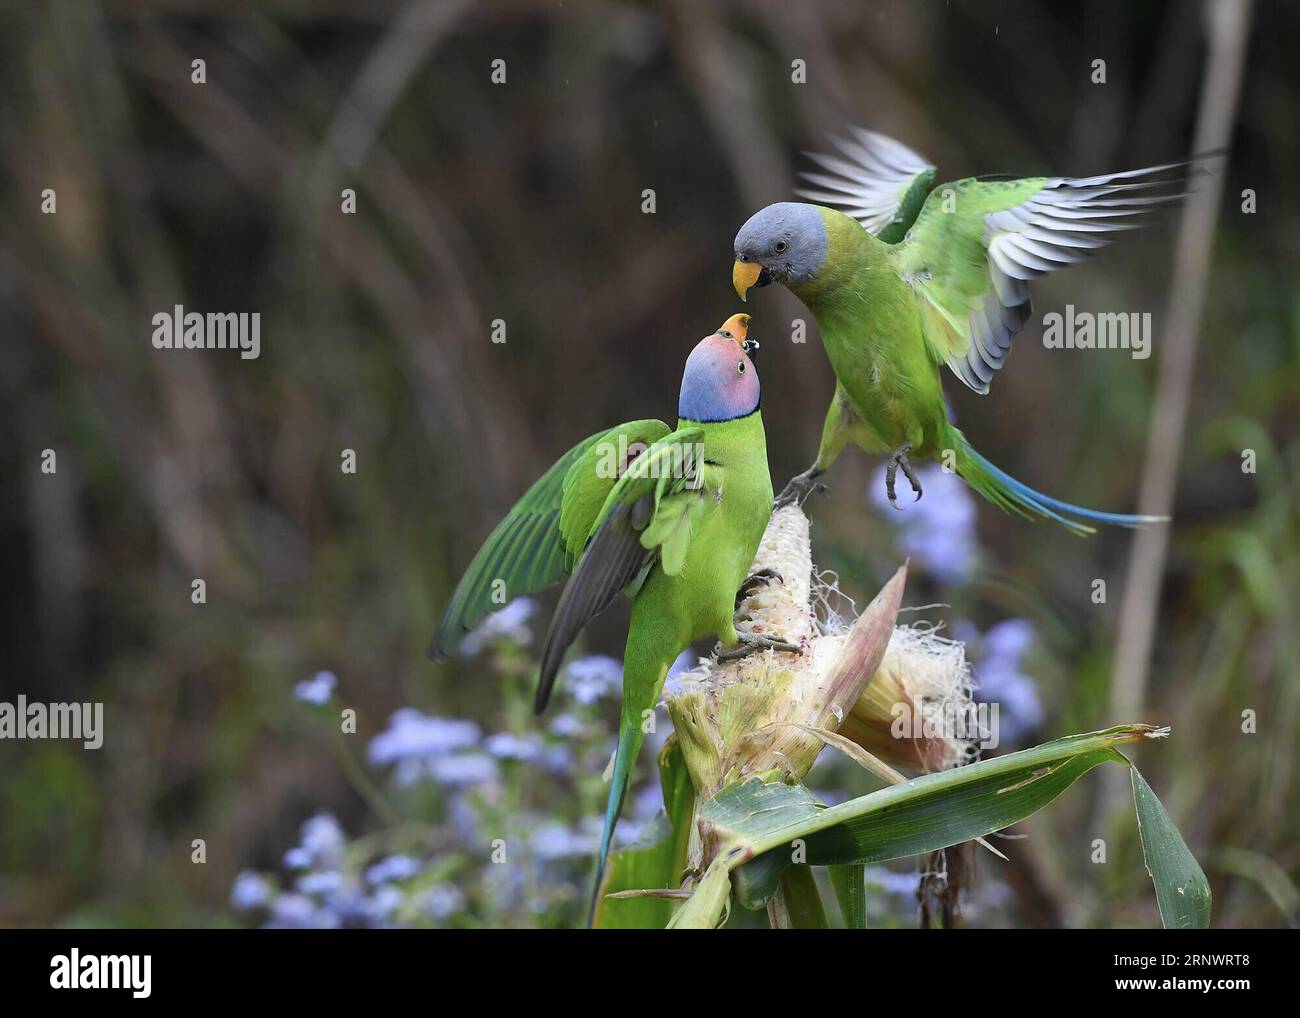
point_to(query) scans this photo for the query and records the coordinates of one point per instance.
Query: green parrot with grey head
(905, 280)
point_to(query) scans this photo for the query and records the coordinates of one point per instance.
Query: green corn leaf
(918, 816)
(800, 902)
(753, 884)
(850, 887)
(646, 863)
(655, 859)
(760, 827)
(1182, 891)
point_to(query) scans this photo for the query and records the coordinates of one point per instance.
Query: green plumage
(891, 315)
(707, 534)
(893, 307)
(673, 518)
(544, 533)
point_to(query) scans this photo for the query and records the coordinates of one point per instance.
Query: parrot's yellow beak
(743, 276)
(736, 327)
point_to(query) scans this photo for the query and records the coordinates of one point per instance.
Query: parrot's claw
(751, 643)
(800, 487)
(761, 578)
(899, 459)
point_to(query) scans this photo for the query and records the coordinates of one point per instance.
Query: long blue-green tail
(629, 745)
(645, 665)
(1012, 496)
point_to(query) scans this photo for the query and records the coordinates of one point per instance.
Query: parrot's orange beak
(736, 327)
(743, 276)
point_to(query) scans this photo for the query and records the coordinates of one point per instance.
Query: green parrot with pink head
(672, 517)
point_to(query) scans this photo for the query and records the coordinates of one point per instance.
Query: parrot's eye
(727, 335)
(780, 247)
(743, 258)
(740, 368)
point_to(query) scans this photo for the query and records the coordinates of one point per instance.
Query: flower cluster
(478, 827)
(938, 531)
(329, 886)
(1001, 677)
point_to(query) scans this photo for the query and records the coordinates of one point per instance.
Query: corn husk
(762, 714)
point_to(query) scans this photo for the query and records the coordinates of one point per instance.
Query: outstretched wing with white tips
(977, 243)
(878, 181)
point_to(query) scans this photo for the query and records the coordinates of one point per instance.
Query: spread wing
(647, 521)
(977, 243)
(878, 181)
(542, 536)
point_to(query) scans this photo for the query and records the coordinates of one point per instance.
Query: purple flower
(395, 868)
(509, 623)
(463, 769)
(349, 904)
(1009, 639)
(567, 726)
(1002, 681)
(554, 841)
(414, 736)
(443, 901)
(939, 530)
(249, 891)
(297, 858)
(893, 882)
(508, 746)
(383, 903)
(317, 690)
(557, 759)
(626, 831)
(293, 911)
(648, 801)
(464, 818)
(589, 678)
(297, 911)
(321, 843)
(320, 883)
(503, 886)
(323, 840)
